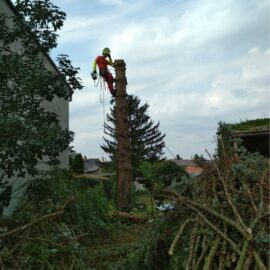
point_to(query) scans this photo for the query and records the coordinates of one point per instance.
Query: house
(254, 139)
(91, 166)
(59, 106)
(191, 168)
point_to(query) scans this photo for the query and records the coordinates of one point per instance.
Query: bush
(44, 244)
(77, 164)
(92, 210)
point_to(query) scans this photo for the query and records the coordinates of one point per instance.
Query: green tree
(147, 142)
(199, 159)
(77, 164)
(168, 171)
(29, 132)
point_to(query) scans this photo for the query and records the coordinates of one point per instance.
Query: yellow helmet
(106, 51)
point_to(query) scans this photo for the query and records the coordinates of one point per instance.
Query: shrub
(44, 244)
(78, 164)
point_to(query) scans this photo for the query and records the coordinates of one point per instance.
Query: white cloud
(194, 62)
(112, 2)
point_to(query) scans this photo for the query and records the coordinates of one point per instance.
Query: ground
(111, 252)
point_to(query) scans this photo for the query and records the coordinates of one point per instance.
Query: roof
(255, 126)
(10, 4)
(195, 170)
(90, 164)
(251, 132)
(184, 162)
(13, 8)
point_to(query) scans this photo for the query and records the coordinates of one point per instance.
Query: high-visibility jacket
(101, 62)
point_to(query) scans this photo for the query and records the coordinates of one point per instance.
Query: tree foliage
(147, 142)
(77, 164)
(57, 214)
(29, 133)
(161, 173)
(221, 220)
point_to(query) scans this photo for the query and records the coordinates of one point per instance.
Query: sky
(195, 62)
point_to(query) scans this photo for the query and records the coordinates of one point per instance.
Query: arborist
(102, 64)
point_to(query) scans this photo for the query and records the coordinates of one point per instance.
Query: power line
(170, 152)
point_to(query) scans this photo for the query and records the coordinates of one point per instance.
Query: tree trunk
(124, 168)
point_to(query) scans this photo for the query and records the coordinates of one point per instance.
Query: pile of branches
(15, 242)
(52, 226)
(228, 222)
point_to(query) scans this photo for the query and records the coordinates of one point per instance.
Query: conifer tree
(147, 142)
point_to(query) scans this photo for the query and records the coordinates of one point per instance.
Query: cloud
(194, 62)
(112, 2)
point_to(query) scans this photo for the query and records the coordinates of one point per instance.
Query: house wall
(59, 106)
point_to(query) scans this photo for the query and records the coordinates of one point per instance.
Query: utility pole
(123, 148)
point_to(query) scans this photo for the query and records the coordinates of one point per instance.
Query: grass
(146, 199)
(90, 177)
(251, 124)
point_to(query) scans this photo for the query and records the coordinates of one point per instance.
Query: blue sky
(194, 62)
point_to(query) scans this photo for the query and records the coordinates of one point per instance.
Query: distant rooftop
(184, 162)
(90, 164)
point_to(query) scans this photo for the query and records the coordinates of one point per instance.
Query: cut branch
(212, 253)
(42, 239)
(237, 215)
(199, 261)
(216, 229)
(258, 260)
(178, 235)
(243, 254)
(191, 246)
(49, 216)
(179, 198)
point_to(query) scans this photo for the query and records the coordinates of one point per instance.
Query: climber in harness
(102, 64)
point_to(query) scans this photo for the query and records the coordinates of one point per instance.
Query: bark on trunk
(124, 168)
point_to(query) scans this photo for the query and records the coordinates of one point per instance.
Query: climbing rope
(102, 88)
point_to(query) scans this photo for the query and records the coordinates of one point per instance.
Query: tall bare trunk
(124, 168)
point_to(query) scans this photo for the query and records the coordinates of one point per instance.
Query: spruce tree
(147, 142)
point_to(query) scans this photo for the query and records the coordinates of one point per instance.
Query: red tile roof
(193, 169)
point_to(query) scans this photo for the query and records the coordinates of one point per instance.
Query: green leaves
(29, 132)
(69, 75)
(147, 141)
(43, 20)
